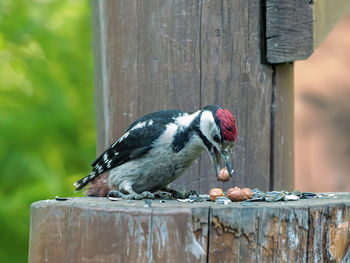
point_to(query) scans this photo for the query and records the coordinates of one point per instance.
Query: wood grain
(282, 157)
(289, 30)
(98, 230)
(186, 55)
(233, 77)
(116, 56)
(168, 63)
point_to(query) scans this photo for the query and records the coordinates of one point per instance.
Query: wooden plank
(294, 29)
(174, 227)
(146, 59)
(289, 30)
(115, 27)
(108, 235)
(232, 76)
(225, 233)
(46, 219)
(248, 241)
(283, 232)
(329, 233)
(282, 109)
(168, 63)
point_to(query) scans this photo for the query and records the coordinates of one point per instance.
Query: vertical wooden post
(186, 54)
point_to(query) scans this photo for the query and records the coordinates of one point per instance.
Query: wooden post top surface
(99, 230)
(102, 204)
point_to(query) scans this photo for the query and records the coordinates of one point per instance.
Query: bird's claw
(115, 193)
(147, 195)
(143, 195)
(164, 195)
(177, 194)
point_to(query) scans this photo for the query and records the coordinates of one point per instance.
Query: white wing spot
(121, 138)
(139, 125)
(186, 119)
(168, 135)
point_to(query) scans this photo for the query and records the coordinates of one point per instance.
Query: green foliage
(47, 126)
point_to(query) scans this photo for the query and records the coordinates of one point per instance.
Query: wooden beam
(288, 30)
(294, 29)
(282, 139)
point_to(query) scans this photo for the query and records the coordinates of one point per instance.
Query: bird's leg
(179, 194)
(131, 194)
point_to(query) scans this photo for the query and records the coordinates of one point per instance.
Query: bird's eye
(216, 138)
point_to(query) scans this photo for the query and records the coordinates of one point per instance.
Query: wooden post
(98, 230)
(153, 55)
(186, 54)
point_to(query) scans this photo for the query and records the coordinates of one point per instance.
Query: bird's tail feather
(85, 180)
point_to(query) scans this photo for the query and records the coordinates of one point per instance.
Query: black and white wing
(136, 141)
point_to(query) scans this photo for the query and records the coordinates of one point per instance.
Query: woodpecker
(158, 147)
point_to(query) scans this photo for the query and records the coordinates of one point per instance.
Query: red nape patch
(228, 124)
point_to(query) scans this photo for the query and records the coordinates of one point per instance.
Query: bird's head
(219, 133)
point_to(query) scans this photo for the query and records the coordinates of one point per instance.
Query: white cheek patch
(207, 124)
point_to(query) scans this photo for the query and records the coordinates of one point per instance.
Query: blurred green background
(47, 122)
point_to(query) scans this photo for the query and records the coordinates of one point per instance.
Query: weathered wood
(282, 129)
(168, 61)
(233, 77)
(185, 55)
(294, 29)
(289, 32)
(98, 230)
(115, 26)
(147, 59)
(48, 217)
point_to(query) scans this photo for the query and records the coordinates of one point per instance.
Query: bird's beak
(216, 158)
(227, 158)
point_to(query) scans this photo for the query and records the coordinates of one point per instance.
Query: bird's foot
(147, 195)
(135, 196)
(179, 194)
(117, 194)
(164, 195)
